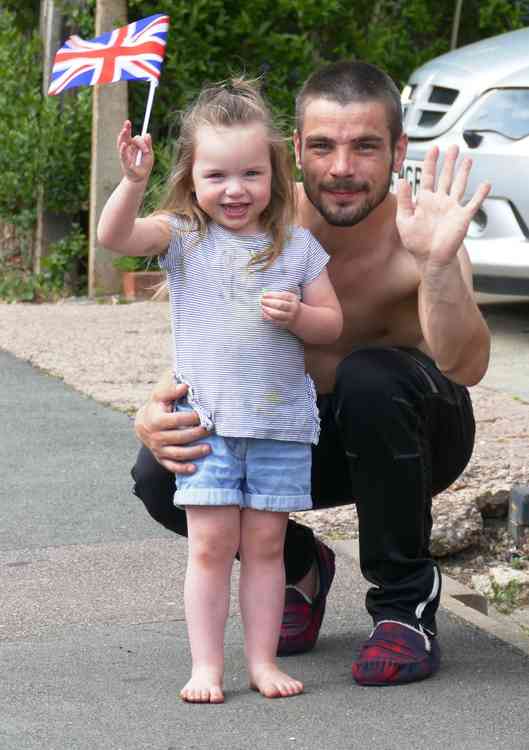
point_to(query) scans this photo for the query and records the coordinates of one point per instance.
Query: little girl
(246, 289)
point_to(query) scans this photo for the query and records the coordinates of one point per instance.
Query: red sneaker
(302, 617)
(396, 653)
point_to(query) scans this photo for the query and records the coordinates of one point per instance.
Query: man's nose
(342, 164)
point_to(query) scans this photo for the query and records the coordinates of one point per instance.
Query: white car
(478, 98)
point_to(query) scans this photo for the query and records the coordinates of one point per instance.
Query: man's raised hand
(434, 227)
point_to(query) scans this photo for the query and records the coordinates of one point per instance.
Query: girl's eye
(252, 173)
(214, 176)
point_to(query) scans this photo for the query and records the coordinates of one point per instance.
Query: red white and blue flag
(131, 53)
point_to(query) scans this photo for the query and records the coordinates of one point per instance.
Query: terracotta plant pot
(141, 284)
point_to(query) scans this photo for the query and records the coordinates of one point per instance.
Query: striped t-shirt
(246, 375)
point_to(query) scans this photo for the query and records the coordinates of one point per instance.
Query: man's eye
(320, 146)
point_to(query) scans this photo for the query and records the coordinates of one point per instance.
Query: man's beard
(346, 216)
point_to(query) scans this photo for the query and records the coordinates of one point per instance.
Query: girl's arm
(119, 229)
(316, 320)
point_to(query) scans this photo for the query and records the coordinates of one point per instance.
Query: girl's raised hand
(128, 149)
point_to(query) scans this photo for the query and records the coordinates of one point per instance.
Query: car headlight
(503, 111)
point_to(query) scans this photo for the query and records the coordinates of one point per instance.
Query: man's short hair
(352, 81)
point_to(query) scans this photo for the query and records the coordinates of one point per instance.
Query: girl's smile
(232, 175)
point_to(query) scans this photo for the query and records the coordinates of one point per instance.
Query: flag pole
(148, 108)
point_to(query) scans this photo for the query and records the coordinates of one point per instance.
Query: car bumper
(500, 266)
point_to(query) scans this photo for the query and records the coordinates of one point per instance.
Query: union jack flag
(133, 53)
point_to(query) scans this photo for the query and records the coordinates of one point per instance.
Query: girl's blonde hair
(230, 103)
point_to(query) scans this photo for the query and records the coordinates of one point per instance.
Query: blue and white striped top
(246, 375)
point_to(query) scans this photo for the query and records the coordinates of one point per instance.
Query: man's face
(346, 158)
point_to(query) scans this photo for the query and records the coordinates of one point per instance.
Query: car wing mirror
(472, 138)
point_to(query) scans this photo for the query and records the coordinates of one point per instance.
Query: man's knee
(150, 477)
(155, 486)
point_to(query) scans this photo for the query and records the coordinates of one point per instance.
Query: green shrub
(45, 140)
(63, 272)
(64, 268)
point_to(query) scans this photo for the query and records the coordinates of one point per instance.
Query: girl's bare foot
(205, 686)
(272, 683)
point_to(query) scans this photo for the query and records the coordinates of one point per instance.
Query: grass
(519, 563)
(505, 598)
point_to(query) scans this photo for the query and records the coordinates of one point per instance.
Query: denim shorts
(256, 473)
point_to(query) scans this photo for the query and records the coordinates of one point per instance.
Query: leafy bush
(64, 268)
(45, 140)
(63, 272)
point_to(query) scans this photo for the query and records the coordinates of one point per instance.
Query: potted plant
(141, 278)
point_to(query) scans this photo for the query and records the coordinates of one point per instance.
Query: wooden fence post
(110, 109)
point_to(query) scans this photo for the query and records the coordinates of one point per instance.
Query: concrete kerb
(464, 603)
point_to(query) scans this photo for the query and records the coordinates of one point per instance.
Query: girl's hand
(128, 148)
(281, 308)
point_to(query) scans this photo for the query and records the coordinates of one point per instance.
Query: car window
(504, 111)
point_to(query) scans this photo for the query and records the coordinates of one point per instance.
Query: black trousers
(394, 432)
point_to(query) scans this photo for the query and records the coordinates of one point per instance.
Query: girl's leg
(214, 535)
(262, 597)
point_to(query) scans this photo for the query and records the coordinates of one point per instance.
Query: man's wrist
(435, 274)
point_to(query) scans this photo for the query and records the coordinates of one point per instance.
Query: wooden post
(109, 110)
(51, 227)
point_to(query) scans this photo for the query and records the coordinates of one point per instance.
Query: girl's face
(232, 175)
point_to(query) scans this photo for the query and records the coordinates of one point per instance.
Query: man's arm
(166, 433)
(433, 230)
(453, 326)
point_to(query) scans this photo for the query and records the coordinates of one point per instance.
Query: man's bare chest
(380, 307)
(378, 300)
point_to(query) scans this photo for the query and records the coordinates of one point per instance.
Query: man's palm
(434, 228)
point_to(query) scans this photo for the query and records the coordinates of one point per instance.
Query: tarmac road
(92, 638)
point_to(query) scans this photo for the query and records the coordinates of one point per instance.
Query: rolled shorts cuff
(278, 503)
(209, 496)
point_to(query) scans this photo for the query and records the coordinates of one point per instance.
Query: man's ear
(399, 152)
(297, 147)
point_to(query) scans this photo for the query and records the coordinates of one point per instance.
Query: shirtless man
(396, 417)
